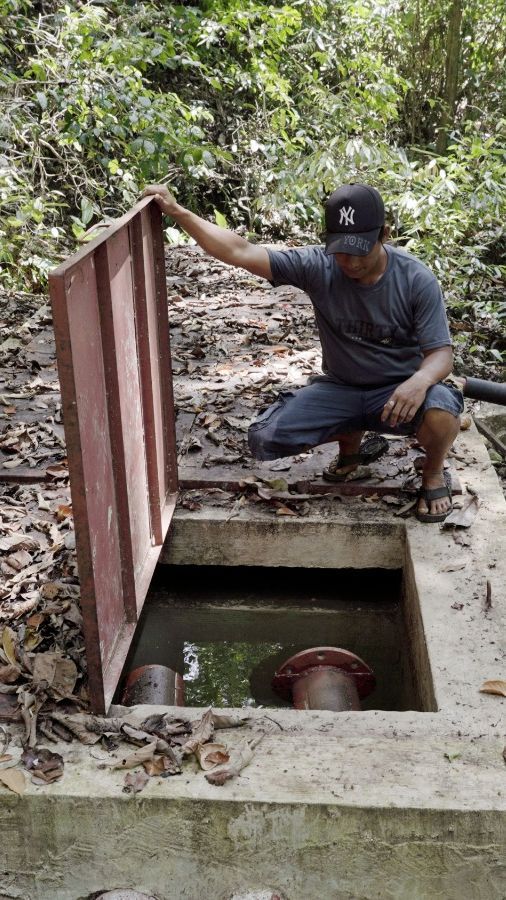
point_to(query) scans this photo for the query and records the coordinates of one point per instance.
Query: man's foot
(434, 497)
(374, 446)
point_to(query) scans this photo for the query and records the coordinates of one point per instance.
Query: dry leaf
(461, 538)
(50, 590)
(19, 608)
(13, 779)
(464, 517)
(136, 735)
(9, 645)
(281, 465)
(211, 419)
(162, 765)
(450, 755)
(19, 560)
(263, 492)
(43, 764)
(155, 766)
(494, 687)
(285, 511)
(21, 541)
(165, 726)
(9, 674)
(13, 463)
(359, 473)
(211, 755)
(57, 471)
(406, 509)
(65, 676)
(63, 512)
(224, 721)
(9, 706)
(59, 673)
(172, 757)
(32, 639)
(84, 726)
(202, 731)
(276, 484)
(240, 757)
(135, 759)
(76, 724)
(134, 782)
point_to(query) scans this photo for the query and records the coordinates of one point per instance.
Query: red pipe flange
(324, 678)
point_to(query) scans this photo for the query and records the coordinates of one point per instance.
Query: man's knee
(277, 432)
(443, 398)
(265, 445)
(439, 423)
(259, 443)
(265, 438)
(437, 416)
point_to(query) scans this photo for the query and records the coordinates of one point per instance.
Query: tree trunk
(449, 99)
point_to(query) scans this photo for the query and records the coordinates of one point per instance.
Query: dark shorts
(312, 415)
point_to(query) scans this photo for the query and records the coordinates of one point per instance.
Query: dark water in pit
(227, 629)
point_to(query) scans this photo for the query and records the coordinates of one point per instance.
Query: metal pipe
(324, 678)
(325, 688)
(155, 685)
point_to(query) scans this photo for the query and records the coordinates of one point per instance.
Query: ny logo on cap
(346, 216)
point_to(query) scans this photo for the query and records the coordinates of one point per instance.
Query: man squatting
(385, 341)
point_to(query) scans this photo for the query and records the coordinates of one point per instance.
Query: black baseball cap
(354, 215)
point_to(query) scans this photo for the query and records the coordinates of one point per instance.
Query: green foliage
(253, 111)
(218, 674)
(80, 131)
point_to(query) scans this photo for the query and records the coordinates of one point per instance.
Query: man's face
(363, 268)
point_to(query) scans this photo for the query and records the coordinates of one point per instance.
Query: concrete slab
(490, 420)
(350, 805)
(346, 806)
(486, 411)
(388, 476)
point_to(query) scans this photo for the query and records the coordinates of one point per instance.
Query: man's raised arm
(219, 242)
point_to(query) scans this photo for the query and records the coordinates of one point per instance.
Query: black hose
(490, 391)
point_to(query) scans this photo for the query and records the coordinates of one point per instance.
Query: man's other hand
(166, 201)
(405, 401)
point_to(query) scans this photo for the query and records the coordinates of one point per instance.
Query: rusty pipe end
(155, 685)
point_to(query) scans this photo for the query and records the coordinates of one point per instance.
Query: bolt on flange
(324, 678)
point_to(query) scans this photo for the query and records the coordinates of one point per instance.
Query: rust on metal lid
(112, 343)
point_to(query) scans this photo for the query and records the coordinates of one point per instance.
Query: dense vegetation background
(253, 111)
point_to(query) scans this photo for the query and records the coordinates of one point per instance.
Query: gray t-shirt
(371, 335)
